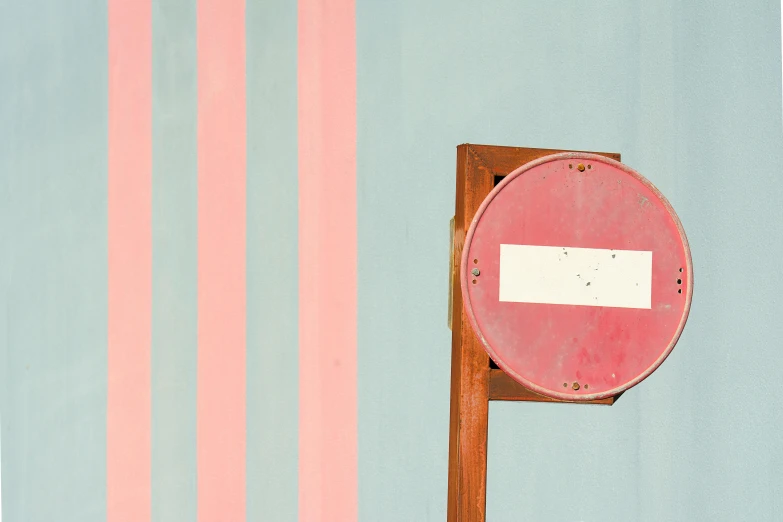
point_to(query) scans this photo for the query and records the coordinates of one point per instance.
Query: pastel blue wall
(690, 94)
(53, 293)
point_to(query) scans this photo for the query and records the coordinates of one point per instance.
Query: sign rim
(465, 276)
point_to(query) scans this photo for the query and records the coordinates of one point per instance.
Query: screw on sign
(576, 276)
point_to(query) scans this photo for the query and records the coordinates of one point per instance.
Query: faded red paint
(129, 208)
(608, 206)
(222, 284)
(328, 412)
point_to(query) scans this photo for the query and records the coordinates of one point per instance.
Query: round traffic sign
(576, 276)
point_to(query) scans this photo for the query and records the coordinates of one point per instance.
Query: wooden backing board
(473, 382)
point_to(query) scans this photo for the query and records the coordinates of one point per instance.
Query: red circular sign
(576, 276)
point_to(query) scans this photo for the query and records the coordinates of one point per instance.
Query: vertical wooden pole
(467, 494)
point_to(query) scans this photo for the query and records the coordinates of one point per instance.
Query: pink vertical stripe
(128, 495)
(221, 261)
(327, 261)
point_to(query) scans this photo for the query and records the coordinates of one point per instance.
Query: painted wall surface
(688, 92)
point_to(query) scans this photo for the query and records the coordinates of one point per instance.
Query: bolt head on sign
(583, 276)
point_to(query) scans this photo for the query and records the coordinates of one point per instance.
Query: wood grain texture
(504, 388)
(501, 161)
(473, 382)
(470, 363)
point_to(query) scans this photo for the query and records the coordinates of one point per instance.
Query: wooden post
(474, 382)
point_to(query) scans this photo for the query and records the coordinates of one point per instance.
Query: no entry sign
(576, 276)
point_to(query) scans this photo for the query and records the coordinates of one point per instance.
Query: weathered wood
(501, 161)
(504, 388)
(473, 382)
(470, 363)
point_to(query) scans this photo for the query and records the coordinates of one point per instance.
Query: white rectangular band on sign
(575, 276)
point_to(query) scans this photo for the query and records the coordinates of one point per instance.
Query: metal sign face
(576, 276)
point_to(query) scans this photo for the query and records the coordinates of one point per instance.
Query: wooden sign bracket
(475, 380)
